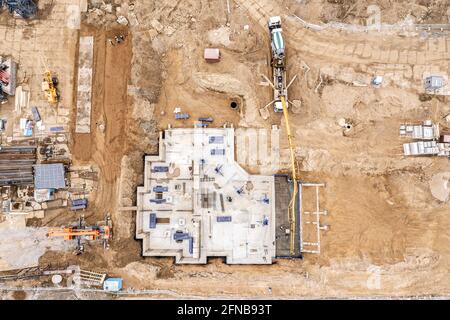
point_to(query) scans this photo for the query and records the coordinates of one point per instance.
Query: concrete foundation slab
(197, 202)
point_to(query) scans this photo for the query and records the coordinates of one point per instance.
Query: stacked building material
(16, 165)
(425, 131)
(429, 142)
(7, 78)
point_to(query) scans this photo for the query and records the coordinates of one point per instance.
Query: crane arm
(293, 202)
(72, 232)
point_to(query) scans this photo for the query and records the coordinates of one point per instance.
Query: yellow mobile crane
(49, 87)
(49, 84)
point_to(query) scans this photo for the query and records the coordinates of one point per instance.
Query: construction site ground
(387, 235)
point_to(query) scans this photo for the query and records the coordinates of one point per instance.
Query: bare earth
(388, 236)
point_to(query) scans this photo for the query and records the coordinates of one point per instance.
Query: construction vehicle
(280, 101)
(49, 86)
(26, 9)
(278, 62)
(277, 43)
(81, 233)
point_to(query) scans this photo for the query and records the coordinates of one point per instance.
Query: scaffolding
(311, 218)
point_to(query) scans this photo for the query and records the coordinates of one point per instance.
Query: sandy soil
(104, 149)
(387, 233)
(357, 12)
(111, 65)
(386, 230)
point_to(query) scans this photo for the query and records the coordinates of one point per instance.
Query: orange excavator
(82, 232)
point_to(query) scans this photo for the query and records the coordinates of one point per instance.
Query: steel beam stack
(16, 165)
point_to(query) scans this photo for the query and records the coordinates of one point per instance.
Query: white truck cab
(278, 106)
(274, 22)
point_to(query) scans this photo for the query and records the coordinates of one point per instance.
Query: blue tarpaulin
(49, 176)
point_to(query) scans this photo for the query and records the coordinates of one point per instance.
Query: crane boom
(72, 233)
(293, 202)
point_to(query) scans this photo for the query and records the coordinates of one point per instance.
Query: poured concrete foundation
(197, 202)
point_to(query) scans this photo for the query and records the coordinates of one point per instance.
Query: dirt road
(387, 234)
(109, 108)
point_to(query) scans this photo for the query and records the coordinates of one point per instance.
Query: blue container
(78, 202)
(160, 189)
(181, 116)
(191, 245)
(224, 219)
(112, 284)
(79, 207)
(181, 236)
(56, 129)
(152, 220)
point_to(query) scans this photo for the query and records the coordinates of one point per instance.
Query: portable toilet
(112, 284)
